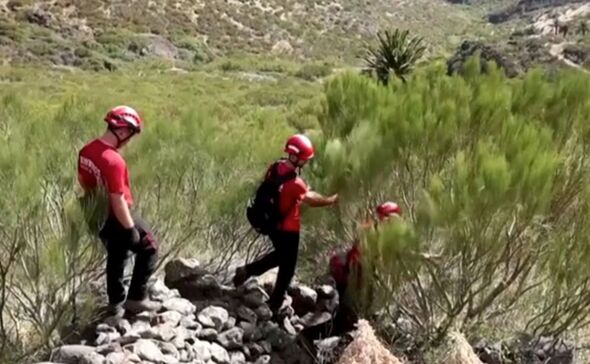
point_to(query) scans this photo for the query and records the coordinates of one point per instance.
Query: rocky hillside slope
(87, 33)
(546, 33)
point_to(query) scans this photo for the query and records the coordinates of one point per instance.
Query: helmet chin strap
(120, 140)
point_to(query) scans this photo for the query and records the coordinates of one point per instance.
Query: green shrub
(314, 71)
(491, 175)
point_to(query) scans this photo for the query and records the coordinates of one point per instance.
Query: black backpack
(263, 211)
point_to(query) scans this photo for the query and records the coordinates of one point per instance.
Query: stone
(282, 47)
(213, 316)
(182, 269)
(265, 359)
(158, 291)
(133, 358)
(313, 319)
(326, 291)
(70, 354)
(246, 352)
(219, 354)
(304, 299)
(129, 338)
(140, 326)
(237, 357)
(39, 16)
(163, 332)
(264, 313)
(169, 359)
(275, 336)
(288, 327)
(123, 326)
(202, 350)
(184, 356)
(207, 334)
(327, 304)
(147, 350)
(117, 358)
(190, 323)
(266, 346)
(250, 284)
(169, 317)
(330, 348)
(169, 349)
(107, 337)
(255, 297)
(232, 338)
(255, 350)
(103, 327)
(488, 353)
(92, 358)
(144, 316)
(181, 305)
(246, 314)
(251, 332)
(109, 348)
(276, 359)
(286, 309)
(230, 323)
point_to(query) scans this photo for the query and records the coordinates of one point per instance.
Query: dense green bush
(492, 176)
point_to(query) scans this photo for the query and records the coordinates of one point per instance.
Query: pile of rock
(203, 321)
(526, 349)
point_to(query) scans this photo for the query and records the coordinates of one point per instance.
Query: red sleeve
(300, 188)
(115, 175)
(292, 194)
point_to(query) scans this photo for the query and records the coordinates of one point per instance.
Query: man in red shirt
(102, 168)
(285, 238)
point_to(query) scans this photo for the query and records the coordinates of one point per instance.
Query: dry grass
(366, 348)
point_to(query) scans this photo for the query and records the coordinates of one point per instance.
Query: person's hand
(334, 199)
(133, 236)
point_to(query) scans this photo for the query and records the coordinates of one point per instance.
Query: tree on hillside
(583, 27)
(396, 53)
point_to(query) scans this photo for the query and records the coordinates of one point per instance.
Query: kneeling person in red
(101, 166)
(346, 268)
(293, 191)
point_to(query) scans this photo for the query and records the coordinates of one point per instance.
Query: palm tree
(396, 52)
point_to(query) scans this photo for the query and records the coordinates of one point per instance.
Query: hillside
(88, 33)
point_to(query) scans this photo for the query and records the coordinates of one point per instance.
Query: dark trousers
(284, 256)
(118, 248)
(346, 315)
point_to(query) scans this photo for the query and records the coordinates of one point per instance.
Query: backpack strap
(273, 173)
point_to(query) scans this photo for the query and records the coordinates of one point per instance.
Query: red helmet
(300, 146)
(387, 209)
(124, 117)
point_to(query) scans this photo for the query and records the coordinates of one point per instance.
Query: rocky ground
(205, 322)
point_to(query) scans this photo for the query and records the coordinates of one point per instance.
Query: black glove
(132, 235)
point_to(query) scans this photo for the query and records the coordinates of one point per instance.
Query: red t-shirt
(101, 165)
(341, 265)
(290, 198)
